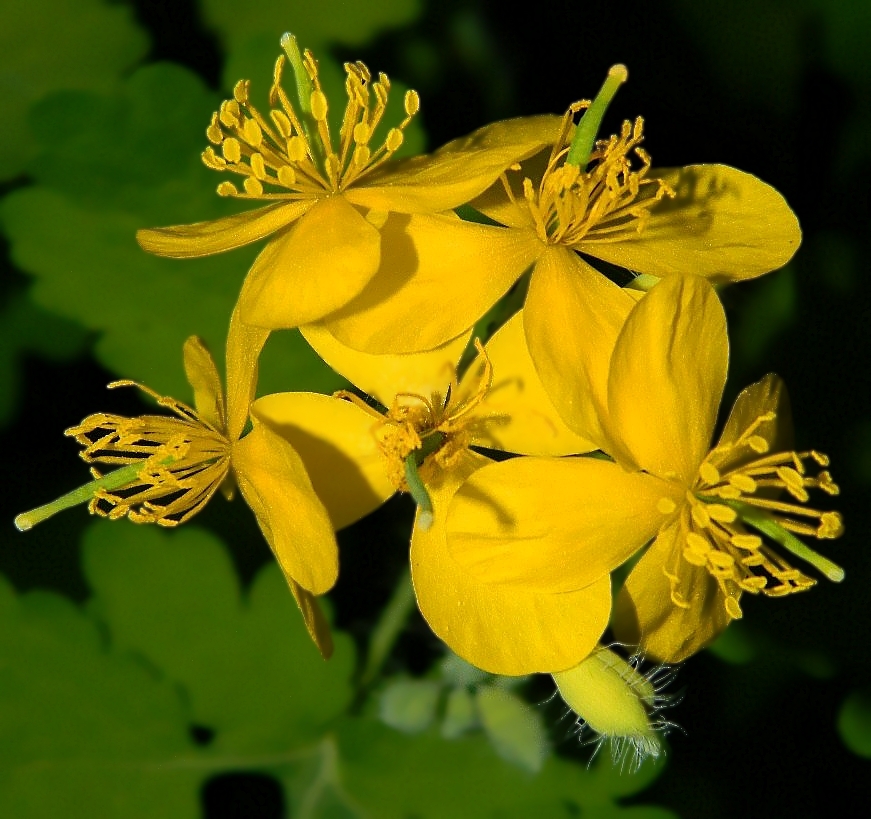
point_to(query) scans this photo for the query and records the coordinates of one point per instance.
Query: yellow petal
(334, 439)
(572, 317)
(458, 171)
(206, 238)
(766, 395)
(438, 276)
(723, 224)
(521, 417)
(322, 263)
(202, 375)
(382, 376)
(274, 483)
(667, 376)
(645, 614)
(244, 344)
(552, 525)
(502, 629)
(513, 211)
(315, 621)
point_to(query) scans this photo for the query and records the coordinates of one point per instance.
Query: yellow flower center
(749, 482)
(572, 204)
(183, 461)
(439, 428)
(293, 156)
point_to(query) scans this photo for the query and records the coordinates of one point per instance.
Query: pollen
(750, 488)
(438, 428)
(571, 204)
(183, 460)
(292, 153)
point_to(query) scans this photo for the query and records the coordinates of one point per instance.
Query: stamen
(771, 528)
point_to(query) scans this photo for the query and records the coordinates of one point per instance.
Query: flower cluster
(544, 452)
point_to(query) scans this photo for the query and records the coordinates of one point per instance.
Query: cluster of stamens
(440, 428)
(291, 155)
(183, 461)
(747, 485)
(572, 203)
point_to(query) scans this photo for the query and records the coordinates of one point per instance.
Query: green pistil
(416, 488)
(304, 85)
(585, 134)
(769, 527)
(114, 480)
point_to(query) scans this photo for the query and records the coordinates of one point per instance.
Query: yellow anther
(241, 90)
(229, 113)
(666, 506)
(253, 187)
(253, 134)
(698, 543)
(297, 149)
(231, 149)
(728, 492)
(281, 122)
(794, 483)
(743, 483)
(831, 526)
(258, 166)
(826, 483)
(751, 542)
(733, 609)
(820, 458)
(394, 139)
(758, 444)
(412, 103)
(721, 513)
(213, 132)
(286, 176)
(695, 558)
(319, 105)
(361, 155)
(753, 584)
(213, 161)
(362, 133)
(227, 189)
(701, 516)
(722, 560)
(709, 473)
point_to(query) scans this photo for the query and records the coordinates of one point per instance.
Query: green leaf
(85, 731)
(248, 665)
(393, 776)
(456, 671)
(112, 164)
(334, 21)
(460, 714)
(24, 328)
(513, 727)
(409, 705)
(51, 44)
(854, 722)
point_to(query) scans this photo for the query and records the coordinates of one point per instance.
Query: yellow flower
(172, 466)
(712, 220)
(557, 525)
(347, 227)
(358, 455)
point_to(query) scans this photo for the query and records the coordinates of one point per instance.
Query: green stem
(114, 480)
(585, 134)
(388, 628)
(418, 492)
